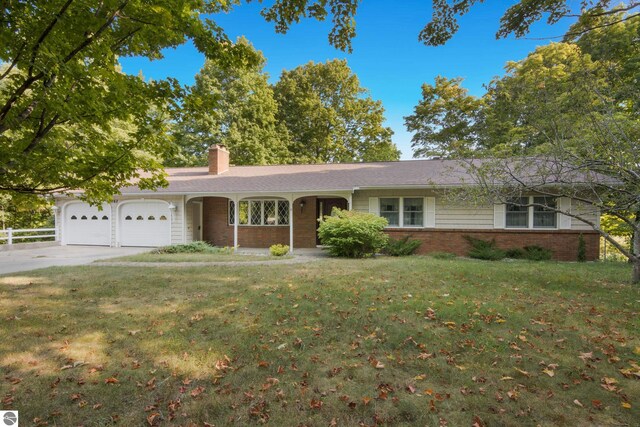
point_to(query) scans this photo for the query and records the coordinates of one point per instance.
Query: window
(403, 211)
(151, 218)
(413, 214)
(544, 216)
(390, 209)
(74, 217)
(517, 214)
(163, 218)
(531, 212)
(83, 217)
(128, 218)
(94, 217)
(139, 218)
(104, 217)
(260, 212)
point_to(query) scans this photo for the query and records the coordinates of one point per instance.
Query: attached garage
(144, 223)
(87, 225)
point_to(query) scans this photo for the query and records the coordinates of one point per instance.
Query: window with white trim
(531, 212)
(403, 211)
(260, 212)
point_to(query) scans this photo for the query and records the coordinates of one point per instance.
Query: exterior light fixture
(302, 203)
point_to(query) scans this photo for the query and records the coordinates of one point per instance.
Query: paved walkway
(294, 260)
(13, 261)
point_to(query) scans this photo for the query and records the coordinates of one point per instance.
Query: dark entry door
(324, 207)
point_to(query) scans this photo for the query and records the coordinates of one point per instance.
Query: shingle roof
(318, 177)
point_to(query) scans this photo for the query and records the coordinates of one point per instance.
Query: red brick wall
(563, 243)
(217, 231)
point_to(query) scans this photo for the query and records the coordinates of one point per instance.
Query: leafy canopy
(330, 117)
(232, 106)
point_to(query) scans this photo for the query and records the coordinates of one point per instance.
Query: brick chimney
(218, 159)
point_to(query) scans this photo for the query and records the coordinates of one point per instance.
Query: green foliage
(515, 253)
(198, 247)
(25, 211)
(279, 249)
(70, 119)
(402, 247)
(444, 121)
(231, 106)
(582, 249)
(353, 234)
(519, 17)
(537, 253)
(443, 255)
(484, 249)
(330, 118)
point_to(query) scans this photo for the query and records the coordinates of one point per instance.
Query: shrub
(537, 253)
(484, 249)
(279, 250)
(402, 247)
(192, 248)
(515, 253)
(443, 255)
(353, 234)
(582, 249)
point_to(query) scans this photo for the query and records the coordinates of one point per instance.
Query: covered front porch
(260, 220)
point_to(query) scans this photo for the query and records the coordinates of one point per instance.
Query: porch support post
(291, 224)
(236, 210)
(350, 202)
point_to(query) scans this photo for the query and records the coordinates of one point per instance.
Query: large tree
(330, 117)
(69, 119)
(232, 106)
(562, 123)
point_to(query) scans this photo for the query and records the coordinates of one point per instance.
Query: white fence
(9, 234)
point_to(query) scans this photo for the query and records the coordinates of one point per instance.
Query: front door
(325, 206)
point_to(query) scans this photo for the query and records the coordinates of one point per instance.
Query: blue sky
(387, 57)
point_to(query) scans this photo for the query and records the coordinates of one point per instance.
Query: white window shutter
(374, 206)
(564, 221)
(499, 212)
(430, 212)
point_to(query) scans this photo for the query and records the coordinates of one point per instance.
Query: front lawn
(409, 341)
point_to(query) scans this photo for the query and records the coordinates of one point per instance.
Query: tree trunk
(636, 271)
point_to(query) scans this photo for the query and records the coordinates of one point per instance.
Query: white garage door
(145, 224)
(87, 225)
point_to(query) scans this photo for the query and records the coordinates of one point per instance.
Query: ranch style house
(257, 206)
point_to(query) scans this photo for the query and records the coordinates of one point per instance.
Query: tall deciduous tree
(233, 106)
(69, 119)
(563, 123)
(445, 120)
(330, 117)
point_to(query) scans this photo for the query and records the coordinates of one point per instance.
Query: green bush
(279, 250)
(582, 249)
(401, 247)
(443, 255)
(191, 248)
(537, 253)
(515, 253)
(484, 249)
(353, 234)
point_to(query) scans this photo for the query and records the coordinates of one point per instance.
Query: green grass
(194, 257)
(396, 341)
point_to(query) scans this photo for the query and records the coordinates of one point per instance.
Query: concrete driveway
(14, 261)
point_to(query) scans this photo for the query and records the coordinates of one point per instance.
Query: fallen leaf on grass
(549, 372)
(626, 405)
(111, 380)
(577, 402)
